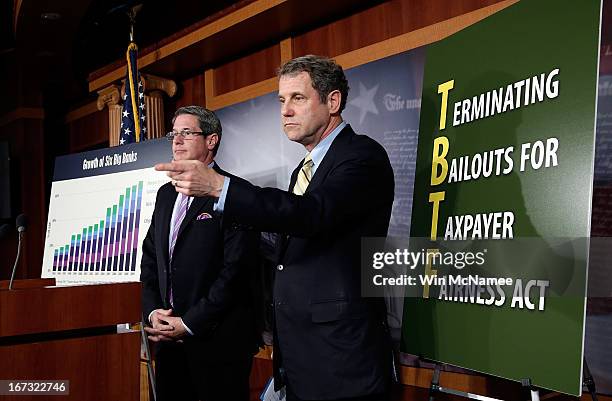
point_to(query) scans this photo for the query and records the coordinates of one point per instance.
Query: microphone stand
(16, 259)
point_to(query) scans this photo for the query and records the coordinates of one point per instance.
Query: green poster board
(505, 161)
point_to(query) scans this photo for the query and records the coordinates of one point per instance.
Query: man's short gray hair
(325, 74)
(208, 121)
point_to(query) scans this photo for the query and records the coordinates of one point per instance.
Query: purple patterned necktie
(178, 219)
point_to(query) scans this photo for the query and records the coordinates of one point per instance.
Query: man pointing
(330, 343)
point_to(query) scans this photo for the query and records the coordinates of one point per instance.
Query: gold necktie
(304, 176)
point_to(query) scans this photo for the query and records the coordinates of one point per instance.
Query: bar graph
(100, 249)
(96, 226)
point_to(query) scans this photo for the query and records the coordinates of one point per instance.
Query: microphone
(21, 223)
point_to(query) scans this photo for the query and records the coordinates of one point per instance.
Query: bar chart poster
(100, 211)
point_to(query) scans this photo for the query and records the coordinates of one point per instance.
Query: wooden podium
(70, 333)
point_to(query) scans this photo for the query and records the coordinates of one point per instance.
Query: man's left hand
(178, 330)
(193, 178)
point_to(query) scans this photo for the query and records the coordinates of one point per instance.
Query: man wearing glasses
(195, 273)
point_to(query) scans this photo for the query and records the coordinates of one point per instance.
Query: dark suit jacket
(211, 270)
(330, 342)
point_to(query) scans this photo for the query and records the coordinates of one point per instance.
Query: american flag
(133, 113)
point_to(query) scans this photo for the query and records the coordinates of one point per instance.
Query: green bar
(108, 212)
(127, 198)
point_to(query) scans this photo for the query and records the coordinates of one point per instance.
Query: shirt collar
(319, 151)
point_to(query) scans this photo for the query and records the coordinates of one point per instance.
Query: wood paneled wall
(380, 23)
(191, 91)
(380, 31)
(88, 130)
(249, 69)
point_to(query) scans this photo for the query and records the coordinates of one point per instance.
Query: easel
(588, 382)
(534, 392)
(435, 388)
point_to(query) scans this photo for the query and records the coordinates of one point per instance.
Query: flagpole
(133, 119)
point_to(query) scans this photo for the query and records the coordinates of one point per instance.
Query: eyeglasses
(185, 134)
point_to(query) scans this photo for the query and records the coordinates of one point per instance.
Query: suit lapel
(328, 161)
(197, 204)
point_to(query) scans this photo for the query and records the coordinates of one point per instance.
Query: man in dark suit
(195, 272)
(330, 343)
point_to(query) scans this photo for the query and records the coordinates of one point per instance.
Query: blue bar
(105, 245)
(137, 226)
(72, 252)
